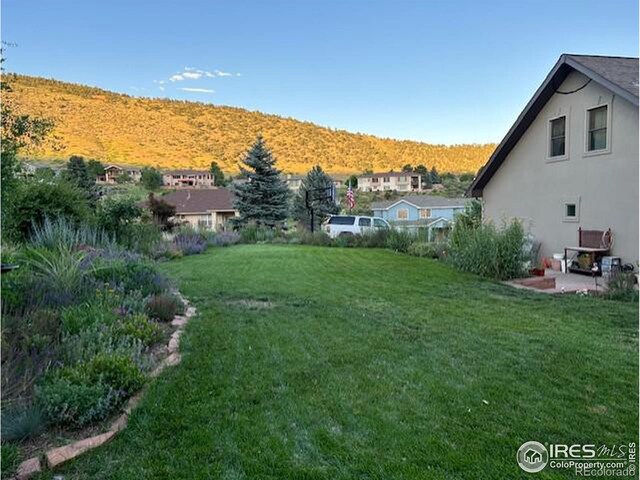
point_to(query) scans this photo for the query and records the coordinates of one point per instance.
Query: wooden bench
(595, 243)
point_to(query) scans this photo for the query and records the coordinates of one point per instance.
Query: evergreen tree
(218, 175)
(151, 178)
(95, 168)
(353, 181)
(77, 174)
(264, 198)
(426, 176)
(317, 184)
(435, 176)
(407, 168)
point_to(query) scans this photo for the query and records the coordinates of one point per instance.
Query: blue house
(423, 214)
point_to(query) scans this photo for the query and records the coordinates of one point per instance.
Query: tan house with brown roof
(390, 181)
(204, 209)
(188, 178)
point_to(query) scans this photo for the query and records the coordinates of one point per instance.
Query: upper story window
(557, 137)
(402, 214)
(425, 213)
(386, 179)
(597, 128)
(374, 180)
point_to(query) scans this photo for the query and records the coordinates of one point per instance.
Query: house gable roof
(200, 200)
(618, 74)
(422, 201)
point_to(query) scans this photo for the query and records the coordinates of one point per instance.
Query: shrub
(141, 328)
(622, 287)
(117, 371)
(320, 239)
(59, 269)
(61, 233)
(130, 274)
(486, 251)
(100, 339)
(164, 306)
(422, 249)
(399, 240)
(225, 239)
(189, 242)
(253, 233)
(10, 459)
(118, 216)
(20, 422)
(88, 391)
(374, 239)
(82, 317)
(75, 403)
(34, 202)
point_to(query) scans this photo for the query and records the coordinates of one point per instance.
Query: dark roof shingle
(200, 200)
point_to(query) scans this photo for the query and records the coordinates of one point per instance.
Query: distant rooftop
(426, 201)
(387, 174)
(200, 200)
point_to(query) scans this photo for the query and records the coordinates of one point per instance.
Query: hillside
(117, 128)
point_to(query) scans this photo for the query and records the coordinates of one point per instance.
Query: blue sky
(443, 72)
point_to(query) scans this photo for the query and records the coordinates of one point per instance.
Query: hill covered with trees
(118, 128)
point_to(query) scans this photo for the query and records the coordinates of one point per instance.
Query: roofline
(207, 211)
(417, 206)
(540, 98)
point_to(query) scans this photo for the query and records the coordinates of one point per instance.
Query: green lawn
(335, 363)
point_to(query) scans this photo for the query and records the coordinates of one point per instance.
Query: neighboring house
(112, 172)
(340, 180)
(421, 213)
(395, 181)
(188, 178)
(205, 209)
(571, 158)
(294, 182)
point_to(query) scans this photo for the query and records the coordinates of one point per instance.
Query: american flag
(351, 199)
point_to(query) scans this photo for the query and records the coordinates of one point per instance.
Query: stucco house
(571, 158)
(205, 209)
(390, 181)
(188, 178)
(112, 172)
(426, 214)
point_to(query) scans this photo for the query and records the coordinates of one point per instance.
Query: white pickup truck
(341, 225)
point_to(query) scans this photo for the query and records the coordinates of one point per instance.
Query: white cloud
(218, 73)
(197, 90)
(192, 75)
(161, 88)
(176, 78)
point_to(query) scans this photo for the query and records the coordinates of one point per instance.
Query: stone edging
(59, 455)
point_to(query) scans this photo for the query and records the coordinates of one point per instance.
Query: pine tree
(218, 175)
(77, 174)
(435, 176)
(318, 185)
(426, 176)
(264, 198)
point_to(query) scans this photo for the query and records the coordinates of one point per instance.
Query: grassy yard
(338, 363)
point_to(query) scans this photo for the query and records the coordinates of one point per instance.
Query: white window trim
(571, 201)
(422, 210)
(402, 210)
(604, 151)
(558, 158)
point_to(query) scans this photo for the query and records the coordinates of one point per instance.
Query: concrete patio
(558, 282)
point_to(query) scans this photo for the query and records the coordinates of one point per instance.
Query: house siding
(529, 187)
(414, 213)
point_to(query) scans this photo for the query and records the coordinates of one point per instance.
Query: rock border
(57, 456)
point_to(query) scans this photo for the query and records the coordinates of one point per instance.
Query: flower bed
(85, 325)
